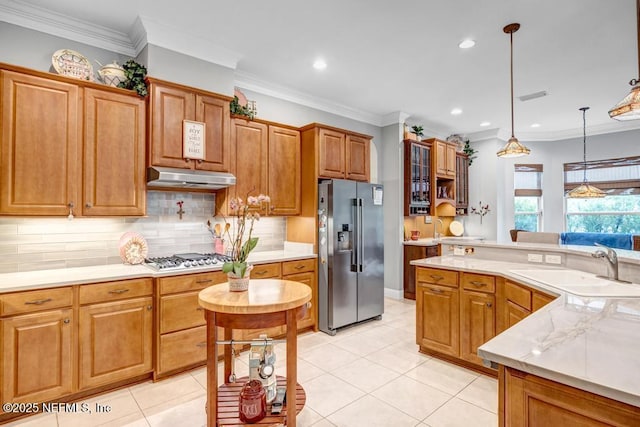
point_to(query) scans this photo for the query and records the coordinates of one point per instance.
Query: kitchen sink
(581, 283)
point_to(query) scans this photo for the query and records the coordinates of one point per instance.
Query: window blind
(528, 180)
(614, 176)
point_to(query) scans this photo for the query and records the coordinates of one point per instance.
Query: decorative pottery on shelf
(237, 283)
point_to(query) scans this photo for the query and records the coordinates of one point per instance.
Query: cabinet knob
(149, 307)
(66, 321)
(70, 205)
(88, 205)
(489, 305)
(199, 160)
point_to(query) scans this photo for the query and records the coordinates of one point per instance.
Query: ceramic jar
(253, 402)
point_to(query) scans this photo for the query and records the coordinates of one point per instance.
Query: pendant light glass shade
(629, 107)
(513, 147)
(585, 190)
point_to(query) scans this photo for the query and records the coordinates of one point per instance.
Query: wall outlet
(553, 259)
(458, 250)
(534, 257)
(427, 219)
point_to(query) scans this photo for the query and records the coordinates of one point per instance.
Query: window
(619, 212)
(528, 197)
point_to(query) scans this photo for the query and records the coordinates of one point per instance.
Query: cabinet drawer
(113, 291)
(180, 311)
(539, 300)
(30, 301)
(183, 348)
(478, 282)
(266, 271)
(438, 277)
(518, 295)
(190, 282)
(299, 266)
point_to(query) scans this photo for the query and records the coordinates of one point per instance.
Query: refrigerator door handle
(354, 242)
(359, 237)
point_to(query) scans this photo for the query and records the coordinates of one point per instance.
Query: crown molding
(397, 117)
(250, 82)
(43, 20)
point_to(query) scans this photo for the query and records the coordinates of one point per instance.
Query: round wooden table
(267, 303)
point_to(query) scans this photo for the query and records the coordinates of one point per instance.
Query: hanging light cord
(634, 82)
(584, 143)
(511, 41)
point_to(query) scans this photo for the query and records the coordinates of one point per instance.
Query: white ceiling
(402, 56)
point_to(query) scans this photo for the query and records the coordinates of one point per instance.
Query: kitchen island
(577, 357)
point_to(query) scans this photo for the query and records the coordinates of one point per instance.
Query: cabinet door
(332, 154)
(438, 318)
(450, 160)
(411, 253)
(417, 179)
(169, 107)
(250, 139)
(308, 279)
(115, 341)
(441, 158)
(462, 183)
(357, 158)
(114, 134)
(284, 171)
(477, 323)
(214, 113)
(37, 356)
(40, 151)
(514, 313)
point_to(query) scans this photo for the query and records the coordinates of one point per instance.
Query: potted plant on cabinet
(417, 131)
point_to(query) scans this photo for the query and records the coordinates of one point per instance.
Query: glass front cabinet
(417, 173)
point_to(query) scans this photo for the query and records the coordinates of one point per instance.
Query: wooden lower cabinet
(412, 252)
(516, 301)
(477, 323)
(182, 348)
(38, 352)
(528, 400)
(437, 318)
(115, 341)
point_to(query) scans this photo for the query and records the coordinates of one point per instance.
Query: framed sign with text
(193, 139)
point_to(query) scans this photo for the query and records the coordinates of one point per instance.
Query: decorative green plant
(417, 130)
(134, 75)
(241, 110)
(471, 152)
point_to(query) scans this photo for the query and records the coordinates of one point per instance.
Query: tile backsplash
(43, 243)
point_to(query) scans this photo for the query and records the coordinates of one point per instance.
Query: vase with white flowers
(245, 214)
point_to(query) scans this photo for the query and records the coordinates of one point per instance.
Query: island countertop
(591, 343)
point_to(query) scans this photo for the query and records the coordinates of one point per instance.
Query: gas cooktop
(185, 261)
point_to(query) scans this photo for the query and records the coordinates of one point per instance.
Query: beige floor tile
(482, 392)
(192, 414)
(329, 357)
(133, 420)
(306, 371)
(371, 412)
(121, 404)
(457, 412)
(324, 423)
(397, 358)
(307, 417)
(151, 394)
(312, 339)
(443, 376)
(365, 374)
(360, 344)
(412, 397)
(326, 394)
(39, 420)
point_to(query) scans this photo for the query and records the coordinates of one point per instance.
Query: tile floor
(368, 375)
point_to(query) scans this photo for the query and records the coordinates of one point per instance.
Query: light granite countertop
(39, 279)
(588, 342)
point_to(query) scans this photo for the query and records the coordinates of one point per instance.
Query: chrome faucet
(437, 235)
(612, 260)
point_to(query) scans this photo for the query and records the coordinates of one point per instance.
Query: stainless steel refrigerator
(350, 252)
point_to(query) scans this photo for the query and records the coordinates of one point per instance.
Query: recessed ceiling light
(485, 124)
(535, 125)
(456, 111)
(319, 64)
(466, 44)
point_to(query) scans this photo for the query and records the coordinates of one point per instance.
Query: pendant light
(585, 190)
(629, 107)
(513, 148)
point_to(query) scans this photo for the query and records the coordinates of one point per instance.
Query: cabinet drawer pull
(478, 284)
(437, 291)
(489, 305)
(201, 344)
(261, 273)
(204, 281)
(66, 321)
(436, 277)
(200, 308)
(299, 267)
(118, 291)
(38, 301)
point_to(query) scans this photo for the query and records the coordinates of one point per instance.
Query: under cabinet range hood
(183, 178)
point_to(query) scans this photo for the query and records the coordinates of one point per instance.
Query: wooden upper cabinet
(284, 171)
(169, 105)
(250, 139)
(445, 158)
(332, 154)
(70, 147)
(357, 158)
(114, 134)
(40, 151)
(214, 112)
(340, 153)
